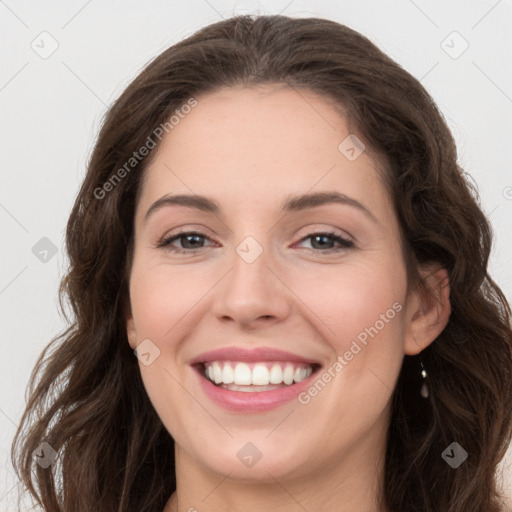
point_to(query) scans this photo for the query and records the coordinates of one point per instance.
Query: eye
(319, 239)
(191, 241)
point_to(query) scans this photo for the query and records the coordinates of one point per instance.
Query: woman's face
(263, 292)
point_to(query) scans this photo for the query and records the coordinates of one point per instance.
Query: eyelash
(165, 242)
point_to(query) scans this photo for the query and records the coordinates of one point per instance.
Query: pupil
(188, 237)
(321, 237)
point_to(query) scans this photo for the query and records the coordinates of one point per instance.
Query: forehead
(256, 145)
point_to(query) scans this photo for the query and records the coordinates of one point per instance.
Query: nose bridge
(251, 290)
(250, 266)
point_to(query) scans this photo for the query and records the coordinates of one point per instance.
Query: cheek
(360, 314)
(363, 306)
(353, 298)
(162, 296)
(162, 299)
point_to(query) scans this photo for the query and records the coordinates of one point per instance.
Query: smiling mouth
(255, 377)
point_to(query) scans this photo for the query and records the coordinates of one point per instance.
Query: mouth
(254, 387)
(243, 380)
(254, 377)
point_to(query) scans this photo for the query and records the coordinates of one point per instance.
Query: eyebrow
(292, 204)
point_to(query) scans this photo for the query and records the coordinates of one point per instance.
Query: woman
(274, 222)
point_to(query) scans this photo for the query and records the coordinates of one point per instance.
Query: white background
(52, 108)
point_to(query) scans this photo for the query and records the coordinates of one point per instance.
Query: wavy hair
(86, 398)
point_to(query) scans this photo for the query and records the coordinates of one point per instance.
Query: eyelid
(187, 229)
(307, 231)
(316, 229)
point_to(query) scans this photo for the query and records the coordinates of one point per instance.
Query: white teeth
(242, 374)
(276, 374)
(288, 374)
(250, 389)
(228, 375)
(260, 375)
(256, 374)
(217, 373)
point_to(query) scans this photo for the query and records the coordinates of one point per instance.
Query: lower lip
(256, 401)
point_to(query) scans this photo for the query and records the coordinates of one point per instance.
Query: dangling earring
(424, 387)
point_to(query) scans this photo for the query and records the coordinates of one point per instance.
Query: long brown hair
(86, 398)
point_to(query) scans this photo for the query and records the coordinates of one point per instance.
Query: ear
(131, 333)
(428, 314)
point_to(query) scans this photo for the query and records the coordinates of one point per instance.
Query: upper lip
(251, 356)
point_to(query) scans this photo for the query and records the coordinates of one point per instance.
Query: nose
(252, 294)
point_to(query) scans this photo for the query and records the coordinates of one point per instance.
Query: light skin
(250, 149)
